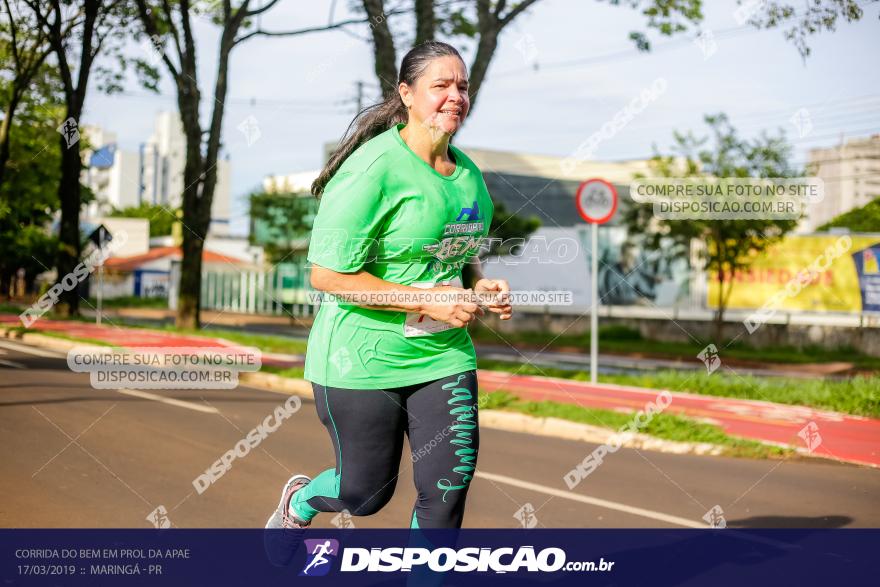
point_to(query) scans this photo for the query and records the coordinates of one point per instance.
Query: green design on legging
(464, 424)
(326, 484)
(414, 523)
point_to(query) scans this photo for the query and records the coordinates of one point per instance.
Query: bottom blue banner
(438, 557)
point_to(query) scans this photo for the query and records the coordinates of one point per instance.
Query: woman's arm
(495, 291)
(365, 289)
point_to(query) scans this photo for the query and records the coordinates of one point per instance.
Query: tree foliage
(730, 245)
(280, 223)
(864, 219)
(161, 218)
(29, 195)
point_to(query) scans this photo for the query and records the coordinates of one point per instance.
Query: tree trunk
(189, 295)
(485, 50)
(200, 177)
(189, 302)
(5, 128)
(718, 326)
(69, 234)
(425, 21)
(383, 46)
(5, 283)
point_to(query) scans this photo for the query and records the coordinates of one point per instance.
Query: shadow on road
(791, 522)
(121, 398)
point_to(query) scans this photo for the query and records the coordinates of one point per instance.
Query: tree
(171, 22)
(161, 219)
(24, 47)
(483, 21)
(29, 195)
(280, 223)
(864, 219)
(813, 17)
(167, 21)
(77, 31)
(731, 245)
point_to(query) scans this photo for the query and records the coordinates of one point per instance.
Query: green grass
(620, 339)
(665, 426)
(20, 330)
(269, 343)
(11, 308)
(264, 342)
(857, 395)
(291, 372)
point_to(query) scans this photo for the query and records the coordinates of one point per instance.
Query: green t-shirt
(389, 212)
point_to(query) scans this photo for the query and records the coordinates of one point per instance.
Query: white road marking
(12, 364)
(170, 401)
(14, 346)
(612, 505)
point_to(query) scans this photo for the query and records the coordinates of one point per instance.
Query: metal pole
(594, 301)
(360, 96)
(100, 275)
(100, 288)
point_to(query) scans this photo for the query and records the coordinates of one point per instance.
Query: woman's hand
(496, 292)
(457, 307)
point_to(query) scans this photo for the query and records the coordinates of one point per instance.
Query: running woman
(402, 211)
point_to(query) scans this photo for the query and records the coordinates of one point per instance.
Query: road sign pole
(594, 313)
(596, 202)
(100, 277)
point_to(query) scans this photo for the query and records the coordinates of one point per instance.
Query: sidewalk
(841, 437)
(142, 337)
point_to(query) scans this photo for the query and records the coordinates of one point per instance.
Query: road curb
(277, 383)
(47, 342)
(568, 430)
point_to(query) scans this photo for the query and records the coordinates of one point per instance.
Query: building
(149, 275)
(851, 172)
(293, 183)
(153, 174)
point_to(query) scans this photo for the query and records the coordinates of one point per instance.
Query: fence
(283, 291)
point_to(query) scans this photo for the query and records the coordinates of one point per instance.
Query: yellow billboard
(809, 273)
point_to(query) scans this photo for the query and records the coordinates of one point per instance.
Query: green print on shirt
(464, 424)
(457, 245)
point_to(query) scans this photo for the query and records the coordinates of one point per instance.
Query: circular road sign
(596, 201)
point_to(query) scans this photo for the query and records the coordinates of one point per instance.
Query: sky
(561, 71)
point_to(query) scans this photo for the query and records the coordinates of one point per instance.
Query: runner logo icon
(471, 214)
(321, 553)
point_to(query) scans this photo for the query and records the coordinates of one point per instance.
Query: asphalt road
(74, 456)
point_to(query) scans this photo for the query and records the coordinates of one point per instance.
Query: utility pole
(360, 95)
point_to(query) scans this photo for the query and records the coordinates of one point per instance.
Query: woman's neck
(419, 139)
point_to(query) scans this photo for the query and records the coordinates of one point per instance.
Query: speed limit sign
(596, 201)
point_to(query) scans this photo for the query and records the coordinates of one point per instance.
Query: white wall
(137, 230)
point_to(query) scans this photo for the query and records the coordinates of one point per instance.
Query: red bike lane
(834, 435)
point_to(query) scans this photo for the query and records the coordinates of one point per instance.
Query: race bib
(421, 325)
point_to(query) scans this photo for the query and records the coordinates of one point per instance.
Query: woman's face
(439, 100)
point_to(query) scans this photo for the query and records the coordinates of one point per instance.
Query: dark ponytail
(376, 119)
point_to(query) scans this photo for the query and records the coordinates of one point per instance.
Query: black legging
(367, 427)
